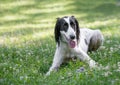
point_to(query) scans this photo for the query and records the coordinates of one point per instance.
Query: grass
(27, 43)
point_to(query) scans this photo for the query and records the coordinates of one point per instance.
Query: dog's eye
(72, 24)
(65, 25)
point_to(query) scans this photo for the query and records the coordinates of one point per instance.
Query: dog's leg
(84, 57)
(57, 61)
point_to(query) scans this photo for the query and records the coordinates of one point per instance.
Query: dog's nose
(72, 37)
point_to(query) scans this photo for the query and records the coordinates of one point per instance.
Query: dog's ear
(77, 29)
(57, 18)
(57, 31)
(72, 16)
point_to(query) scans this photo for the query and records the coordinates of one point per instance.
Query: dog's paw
(55, 69)
(93, 64)
(48, 73)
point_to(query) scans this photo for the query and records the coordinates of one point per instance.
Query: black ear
(77, 29)
(57, 31)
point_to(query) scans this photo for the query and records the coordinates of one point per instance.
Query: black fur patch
(76, 28)
(86, 42)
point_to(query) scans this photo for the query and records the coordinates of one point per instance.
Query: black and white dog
(74, 42)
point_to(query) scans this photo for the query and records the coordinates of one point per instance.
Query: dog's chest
(69, 54)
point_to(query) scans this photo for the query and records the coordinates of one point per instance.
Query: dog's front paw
(48, 73)
(55, 69)
(93, 64)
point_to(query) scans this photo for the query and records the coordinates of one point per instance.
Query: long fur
(57, 31)
(82, 41)
(77, 29)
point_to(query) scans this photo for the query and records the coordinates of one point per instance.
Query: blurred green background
(26, 18)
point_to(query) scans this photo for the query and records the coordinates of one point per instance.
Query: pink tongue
(72, 44)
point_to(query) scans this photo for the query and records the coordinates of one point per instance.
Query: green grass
(27, 43)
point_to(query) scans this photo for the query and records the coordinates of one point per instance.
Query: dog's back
(92, 38)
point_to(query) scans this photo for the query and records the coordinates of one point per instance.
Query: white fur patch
(70, 30)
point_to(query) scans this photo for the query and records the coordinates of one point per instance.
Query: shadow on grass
(41, 10)
(97, 10)
(108, 9)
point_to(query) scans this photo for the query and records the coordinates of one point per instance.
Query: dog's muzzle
(71, 41)
(72, 37)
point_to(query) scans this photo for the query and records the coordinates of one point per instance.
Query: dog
(74, 42)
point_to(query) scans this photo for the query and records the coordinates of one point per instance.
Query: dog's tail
(96, 41)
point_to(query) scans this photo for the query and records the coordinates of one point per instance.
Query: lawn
(27, 42)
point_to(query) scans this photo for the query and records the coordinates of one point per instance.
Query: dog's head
(67, 30)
